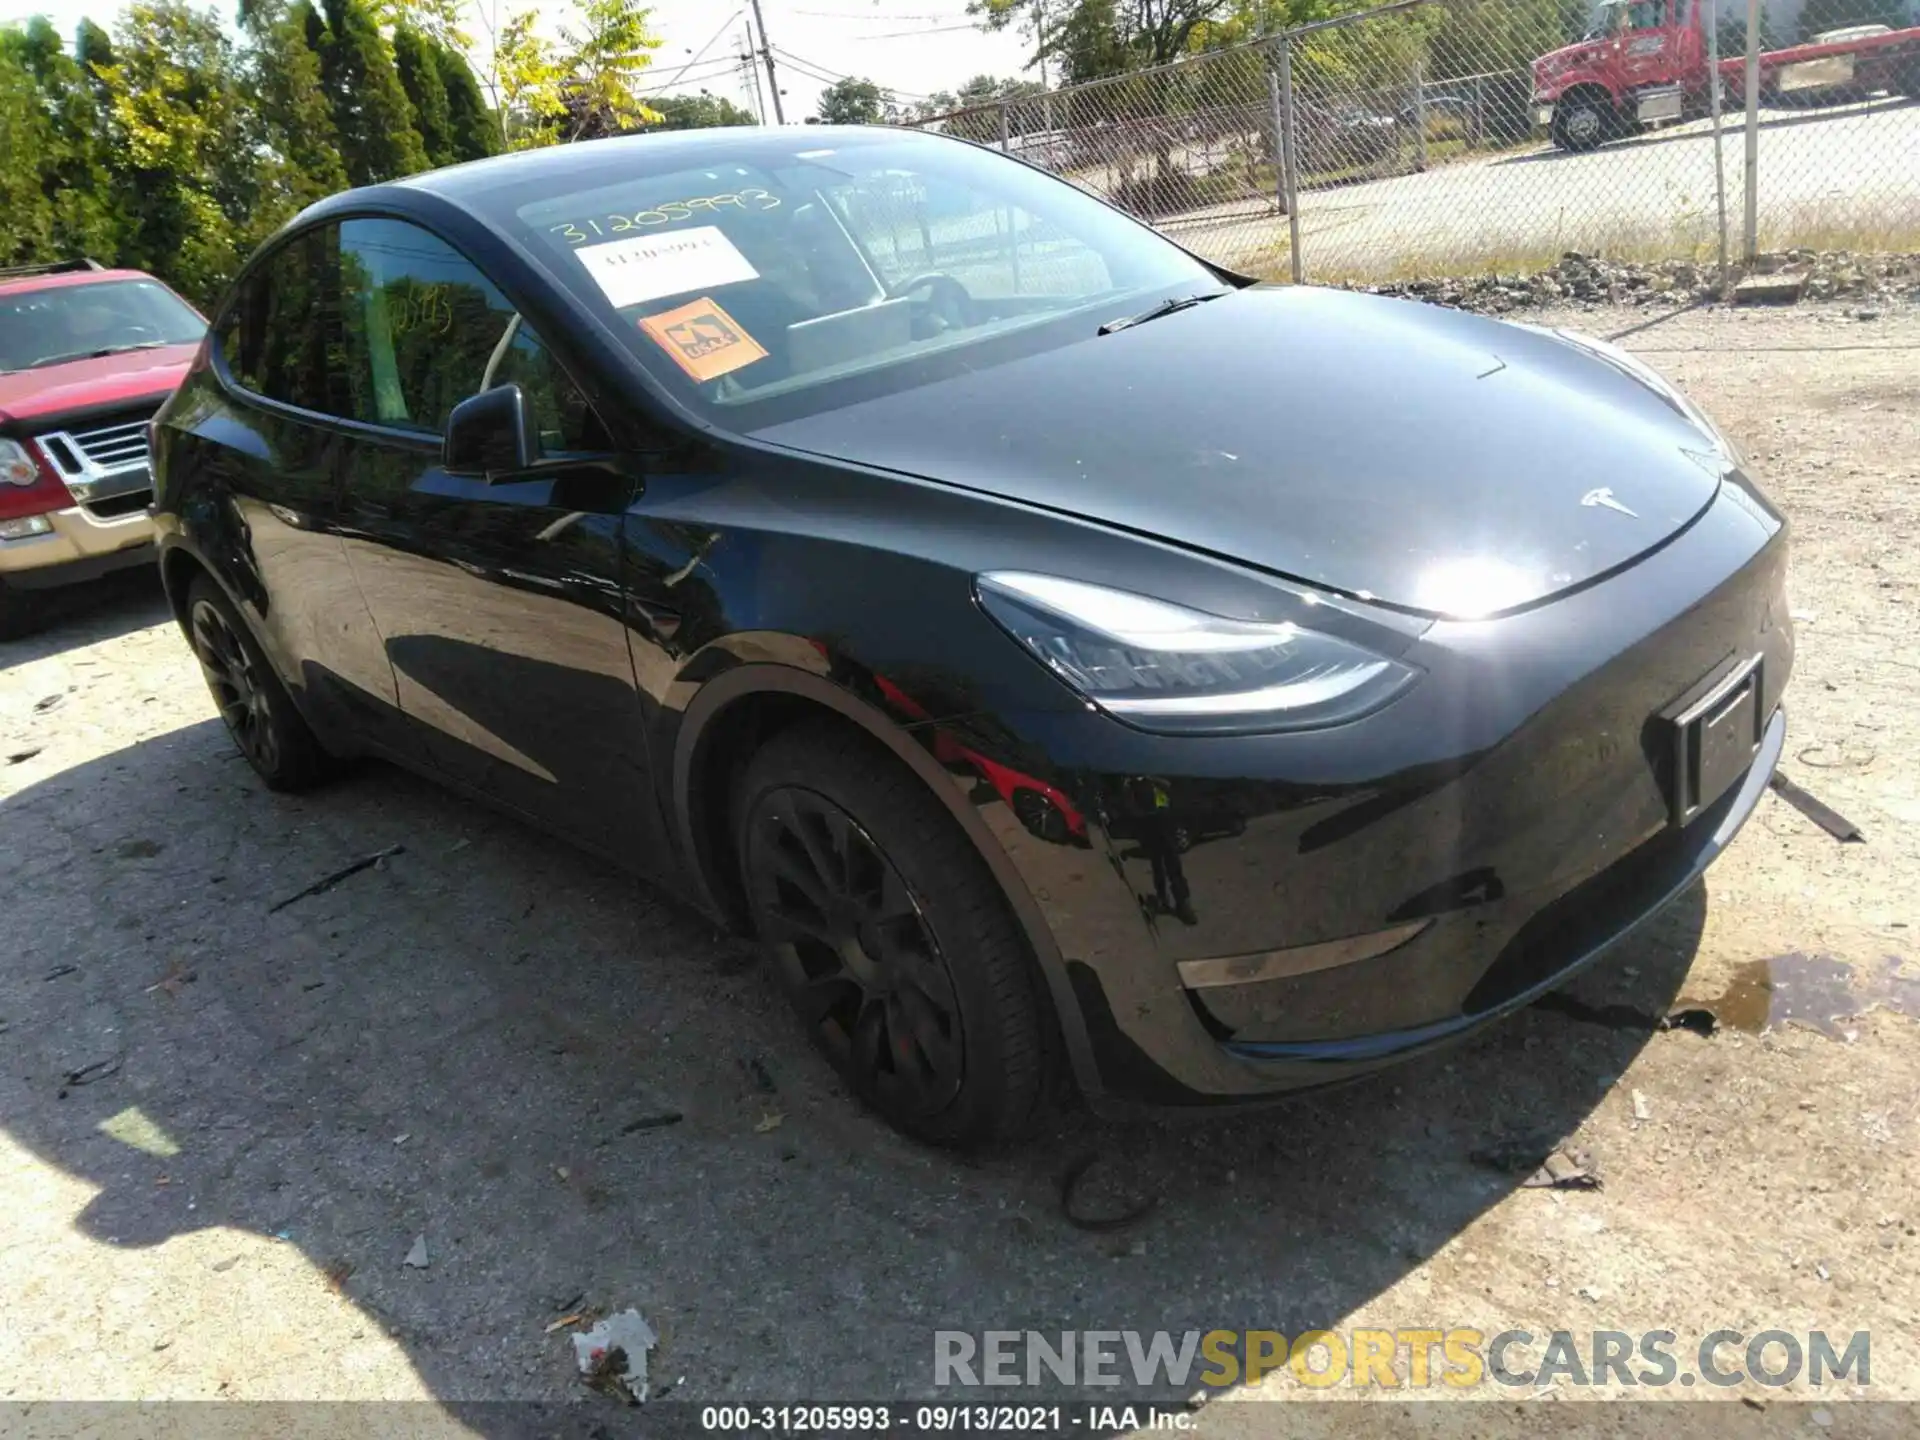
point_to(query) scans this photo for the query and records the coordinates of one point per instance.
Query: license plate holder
(1716, 732)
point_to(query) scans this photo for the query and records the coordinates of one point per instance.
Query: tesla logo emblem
(1604, 496)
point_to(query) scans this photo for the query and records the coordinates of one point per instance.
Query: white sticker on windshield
(647, 267)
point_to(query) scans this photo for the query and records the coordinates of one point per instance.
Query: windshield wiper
(1165, 307)
(126, 349)
(101, 354)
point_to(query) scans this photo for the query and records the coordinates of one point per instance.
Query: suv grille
(105, 469)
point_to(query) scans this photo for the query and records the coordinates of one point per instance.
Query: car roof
(21, 284)
(668, 150)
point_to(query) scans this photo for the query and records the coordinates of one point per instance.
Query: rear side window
(426, 330)
(283, 338)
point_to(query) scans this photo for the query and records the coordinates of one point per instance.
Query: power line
(713, 70)
(914, 34)
(824, 76)
(820, 72)
(705, 71)
(849, 15)
(706, 47)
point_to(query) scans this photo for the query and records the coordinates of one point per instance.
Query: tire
(255, 707)
(891, 938)
(21, 612)
(1582, 123)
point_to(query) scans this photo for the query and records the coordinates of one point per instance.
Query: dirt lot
(467, 1042)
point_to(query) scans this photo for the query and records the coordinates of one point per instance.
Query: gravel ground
(468, 1041)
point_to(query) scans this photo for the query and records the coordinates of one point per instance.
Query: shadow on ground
(102, 609)
(529, 1020)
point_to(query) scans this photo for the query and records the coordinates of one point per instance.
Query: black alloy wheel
(892, 939)
(236, 686)
(855, 953)
(253, 704)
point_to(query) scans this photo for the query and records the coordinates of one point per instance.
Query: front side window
(1647, 15)
(426, 330)
(282, 337)
(80, 322)
(807, 275)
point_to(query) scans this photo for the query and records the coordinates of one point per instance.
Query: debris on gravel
(1592, 280)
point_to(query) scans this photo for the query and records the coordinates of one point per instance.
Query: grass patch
(1331, 257)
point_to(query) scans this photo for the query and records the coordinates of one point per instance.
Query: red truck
(87, 355)
(1645, 62)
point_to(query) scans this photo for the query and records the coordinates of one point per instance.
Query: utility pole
(1752, 176)
(752, 73)
(766, 52)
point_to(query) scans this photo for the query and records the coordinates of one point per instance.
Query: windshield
(797, 278)
(1605, 19)
(73, 322)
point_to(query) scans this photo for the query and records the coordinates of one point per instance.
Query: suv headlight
(17, 465)
(1164, 667)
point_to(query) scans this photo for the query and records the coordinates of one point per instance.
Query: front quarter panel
(755, 572)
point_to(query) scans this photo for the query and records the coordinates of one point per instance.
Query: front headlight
(17, 465)
(1167, 668)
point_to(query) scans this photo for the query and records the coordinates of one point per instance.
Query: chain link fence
(1436, 137)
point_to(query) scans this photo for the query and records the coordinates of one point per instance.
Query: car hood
(1422, 457)
(1568, 57)
(53, 390)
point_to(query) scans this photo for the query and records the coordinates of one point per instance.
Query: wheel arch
(179, 567)
(735, 712)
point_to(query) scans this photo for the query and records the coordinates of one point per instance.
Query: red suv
(87, 355)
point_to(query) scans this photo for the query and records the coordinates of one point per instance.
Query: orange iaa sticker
(705, 341)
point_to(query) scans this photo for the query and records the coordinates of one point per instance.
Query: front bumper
(77, 547)
(1557, 943)
(1513, 813)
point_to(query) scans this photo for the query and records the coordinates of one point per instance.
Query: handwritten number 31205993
(579, 232)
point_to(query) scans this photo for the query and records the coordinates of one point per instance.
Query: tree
(378, 140)
(291, 123)
(26, 215)
(75, 150)
(581, 89)
(527, 80)
(183, 176)
(92, 48)
(419, 74)
(476, 133)
(697, 112)
(855, 101)
(1102, 33)
(434, 20)
(604, 58)
(1089, 44)
(941, 102)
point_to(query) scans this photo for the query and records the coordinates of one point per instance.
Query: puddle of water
(1816, 991)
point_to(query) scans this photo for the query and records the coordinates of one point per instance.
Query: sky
(913, 47)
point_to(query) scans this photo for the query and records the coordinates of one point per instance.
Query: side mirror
(490, 435)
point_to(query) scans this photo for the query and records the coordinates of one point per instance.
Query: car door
(267, 437)
(1644, 59)
(499, 605)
